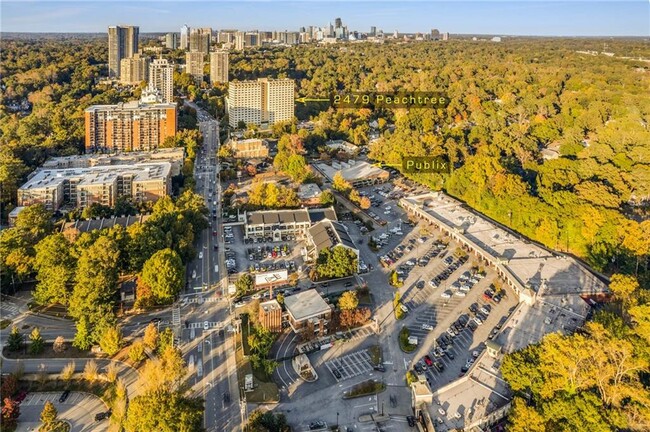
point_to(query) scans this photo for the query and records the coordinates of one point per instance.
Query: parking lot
(80, 409)
(349, 365)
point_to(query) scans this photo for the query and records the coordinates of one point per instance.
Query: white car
(460, 294)
(478, 321)
(206, 325)
(433, 284)
(256, 296)
(428, 327)
(464, 288)
(445, 294)
(200, 255)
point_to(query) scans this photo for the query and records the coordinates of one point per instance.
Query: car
(336, 373)
(439, 366)
(460, 294)
(404, 308)
(451, 332)
(473, 307)
(485, 309)
(433, 283)
(206, 325)
(316, 425)
(411, 421)
(64, 396)
(450, 354)
(226, 398)
(380, 368)
(256, 296)
(347, 284)
(426, 326)
(446, 295)
(200, 255)
(102, 415)
(428, 360)
(239, 304)
(478, 320)
(420, 284)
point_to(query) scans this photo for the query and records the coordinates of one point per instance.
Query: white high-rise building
(194, 65)
(262, 102)
(161, 77)
(219, 66)
(185, 37)
(240, 41)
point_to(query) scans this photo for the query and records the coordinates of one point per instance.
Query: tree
(68, 371)
(267, 421)
(136, 352)
(111, 341)
(151, 336)
(91, 371)
(623, 287)
(244, 285)
(162, 411)
(111, 372)
(348, 300)
(9, 385)
(365, 203)
(36, 341)
(280, 298)
(164, 373)
(59, 344)
(96, 284)
(10, 413)
(15, 340)
(340, 184)
(55, 266)
(524, 418)
(336, 262)
(165, 340)
(327, 198)
(49, 416)
(164, 273)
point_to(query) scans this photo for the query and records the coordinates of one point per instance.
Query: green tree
(111, 341)
(162, 411)
(348, 300)
(55, 266)
(15, 340)
(244, 285)
(164, 273)
(336, 262)
(327, 198)
(36, 341)
(82, 338)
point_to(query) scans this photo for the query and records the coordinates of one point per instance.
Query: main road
(207, 343)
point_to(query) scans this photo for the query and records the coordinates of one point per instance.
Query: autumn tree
(136, 352)
(151, 336)
(36, 344)
(10, 413)
(59, 344)
(111, 341)
(340, 184)
(55, 268)
(348, 300)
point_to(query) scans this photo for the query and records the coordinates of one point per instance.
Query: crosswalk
(176, 315)
(9, 310)
(200, 300)
(211, 325)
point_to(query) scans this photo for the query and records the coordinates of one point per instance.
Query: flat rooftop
(474, 397)
(308, 191)
(52, 178)
(357, 171)
(275, 217)
(270, 306)
(306, 304)
(549, 273)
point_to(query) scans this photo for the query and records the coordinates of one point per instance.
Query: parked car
(426, 326)
(64, 396)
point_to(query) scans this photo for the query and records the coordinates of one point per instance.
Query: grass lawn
(404, 341)
(365, 388)
(265, 390)
(375, 354)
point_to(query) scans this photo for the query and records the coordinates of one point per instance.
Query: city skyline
(527, 18)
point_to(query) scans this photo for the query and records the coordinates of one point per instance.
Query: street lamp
(337, 420)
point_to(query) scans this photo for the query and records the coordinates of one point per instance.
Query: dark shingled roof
(327, 234)
(274, 217)
(99, 224)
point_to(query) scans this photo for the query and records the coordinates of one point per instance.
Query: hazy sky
(522, 17)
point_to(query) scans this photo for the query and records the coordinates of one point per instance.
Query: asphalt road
(213, 367)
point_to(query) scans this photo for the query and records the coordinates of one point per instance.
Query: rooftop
(52, 178)
(326, 234)
(306, 304)
(308, 191)
(351, 171)
(103, 223)
(274, 217)
(270, 306)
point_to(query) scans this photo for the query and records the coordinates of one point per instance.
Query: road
(209, 351)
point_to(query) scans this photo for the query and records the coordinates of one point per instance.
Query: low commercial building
(175, 156)
(309, 194)
(249, 148)
(74, 228)
(271, 279)
(342, 145)
(328, 234)
(308, 312)
(270, 316)
(276, 224)
(357, 173)
(82, 187)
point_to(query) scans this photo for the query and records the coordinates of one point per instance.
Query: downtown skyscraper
(122, 43)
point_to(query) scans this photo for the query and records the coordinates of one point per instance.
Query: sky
(521, 17)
